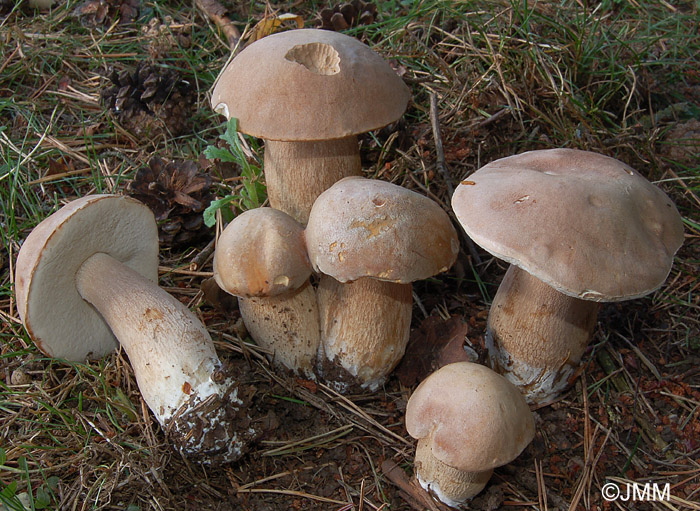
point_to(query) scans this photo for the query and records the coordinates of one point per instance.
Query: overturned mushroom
(261, 258)
(468, 420)
(578, 228)
(370, 239)
(87, 275)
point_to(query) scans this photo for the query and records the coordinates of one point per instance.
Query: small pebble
(19, 377)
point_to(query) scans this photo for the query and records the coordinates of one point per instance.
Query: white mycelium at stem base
(86, 275)
(581, 227)
(179, 374)
(537, 335)
(468, 420)
(452, 486)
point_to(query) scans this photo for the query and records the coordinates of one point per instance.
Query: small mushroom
(578, 228)
(85, 282)
(308, 93)
(370, 239)
(468, 420)
(261, 258)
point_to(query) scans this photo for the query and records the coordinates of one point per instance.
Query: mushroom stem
(287, 325)
(365, 327)
(178, 372)
(537, 335)
(296, 173)
(452, 486)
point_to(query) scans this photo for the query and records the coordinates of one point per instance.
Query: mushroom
(87, 275)
(370, 239)
(308, 93)
(578, 228)
(261, 258)
(468, 420)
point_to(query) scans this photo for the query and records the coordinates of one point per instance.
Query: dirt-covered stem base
(452, 486)
(176, 367)
(537, 335)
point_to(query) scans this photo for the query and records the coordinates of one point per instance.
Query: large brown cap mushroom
(468, 420)
(61, 323)
(368, 228)
(586, 224)
(309, 85)
(261, 253)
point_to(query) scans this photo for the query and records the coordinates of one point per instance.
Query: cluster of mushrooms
(324, 275)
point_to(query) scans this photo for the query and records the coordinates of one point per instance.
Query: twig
(440, 153)
(218, 14)
(417, 497)
(293, 493)
(200, 259)
(442, 168)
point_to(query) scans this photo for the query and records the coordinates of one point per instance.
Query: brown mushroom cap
(261, 253)
(305, 85)
(52, 310)
(586, 224)
(476, 418)
(368, 228)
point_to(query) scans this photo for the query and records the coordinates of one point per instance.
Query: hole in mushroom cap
(318, 58)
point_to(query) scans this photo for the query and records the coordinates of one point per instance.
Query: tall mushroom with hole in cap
(370, 239)
(85, 281)
(578, 228)
(308, 93)
(261, 258)
(468, 420)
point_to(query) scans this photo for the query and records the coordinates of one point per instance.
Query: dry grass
(613, 77)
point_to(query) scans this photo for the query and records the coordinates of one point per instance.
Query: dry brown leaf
(270, 24)
(433, 344)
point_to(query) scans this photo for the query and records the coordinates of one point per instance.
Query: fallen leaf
(433, 344)
(270, 24)
(217, 297)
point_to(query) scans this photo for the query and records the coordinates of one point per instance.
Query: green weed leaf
(253, 192)
(213, 152)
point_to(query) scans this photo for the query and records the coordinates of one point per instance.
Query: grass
(619, 78)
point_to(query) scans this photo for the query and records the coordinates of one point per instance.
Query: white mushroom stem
(287, 326)
(365, 327)
(178, 372)
(452, 486)
(537, 335)
(296, 173)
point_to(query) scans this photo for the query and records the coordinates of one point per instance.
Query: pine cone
(347, 15)
(150, 101)
(99, 12)
(177, 193)
(165, 36)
